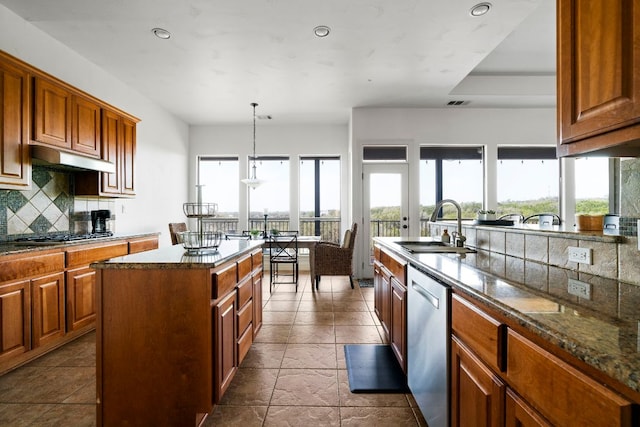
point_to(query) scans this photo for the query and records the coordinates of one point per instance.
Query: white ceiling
(225, 54)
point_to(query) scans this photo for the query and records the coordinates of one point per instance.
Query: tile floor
(293, 375)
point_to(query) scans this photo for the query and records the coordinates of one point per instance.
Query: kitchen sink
(432, 246)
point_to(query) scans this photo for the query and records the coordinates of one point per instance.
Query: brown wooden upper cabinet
(15, 166)
(598, 77)
(118, 147)
(65, 119)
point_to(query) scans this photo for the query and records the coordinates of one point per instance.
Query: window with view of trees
(528, 181)
(271, 198)
(320, 197)
(592, 185)
(451, 173)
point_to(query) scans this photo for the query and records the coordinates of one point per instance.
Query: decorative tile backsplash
(49, 207)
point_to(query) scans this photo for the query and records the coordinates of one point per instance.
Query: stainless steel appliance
(428, 334)
(100, 221)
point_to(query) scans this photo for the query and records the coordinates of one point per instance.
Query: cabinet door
(257, 303)
(15, 168)
(15, 319)
(398, 325)
(385, 300)
(224, 355)
(81, 297)
(520, 414)
(52, 115)
(127, 157)
(47, 308)
(111, 140)
(85, 137)
(477, 394)
(598, 74)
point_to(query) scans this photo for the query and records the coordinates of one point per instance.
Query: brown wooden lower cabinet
(477, 394)
(15, 320)
(398, 327)
(81, 297)
(224, 355)
(257, 299)
(521, 414)
(47, 309)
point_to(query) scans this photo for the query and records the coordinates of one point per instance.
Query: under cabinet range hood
(64, 159)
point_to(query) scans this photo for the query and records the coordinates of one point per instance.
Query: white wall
(162, 139)
(427, 126)
(271, 139)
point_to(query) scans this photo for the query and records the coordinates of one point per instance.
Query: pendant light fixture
(253, 181)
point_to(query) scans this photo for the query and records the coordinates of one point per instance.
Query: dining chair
(331, 259)
(283, 249)
(174, 229)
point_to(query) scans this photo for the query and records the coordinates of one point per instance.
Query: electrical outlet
(579, 289)
(580, 255)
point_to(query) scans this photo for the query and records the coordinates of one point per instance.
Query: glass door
(385, 198)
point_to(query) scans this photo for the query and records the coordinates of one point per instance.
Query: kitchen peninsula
(172, 329)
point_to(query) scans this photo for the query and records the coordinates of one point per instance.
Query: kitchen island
(172, 329)
(523, 344)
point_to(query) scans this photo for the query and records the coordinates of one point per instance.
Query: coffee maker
(100, 220)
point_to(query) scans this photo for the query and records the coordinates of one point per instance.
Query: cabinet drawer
(256, 259)
(482, 333)
(244, 343)
(224, 281)
(245, 291)
(142, 245)
(85, 255)
(245, 316)
(396, 266)
(558, 391)
(30, 266)
(244, 267)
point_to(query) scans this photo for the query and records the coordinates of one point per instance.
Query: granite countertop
(9, 247)
(177, 257)
(603, 331)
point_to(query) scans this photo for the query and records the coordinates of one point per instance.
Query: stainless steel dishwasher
(428, 334)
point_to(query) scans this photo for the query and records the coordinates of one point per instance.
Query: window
(451, 173)
(592, 185)
(211, 172)
(383, 153)
(320, 197)
(272, 197)
(528, 180)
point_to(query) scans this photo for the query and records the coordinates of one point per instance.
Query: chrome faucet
(458, 238)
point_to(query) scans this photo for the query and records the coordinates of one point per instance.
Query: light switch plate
(579, 289)
(580, 255)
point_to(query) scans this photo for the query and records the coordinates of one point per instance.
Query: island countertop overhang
(177, 257)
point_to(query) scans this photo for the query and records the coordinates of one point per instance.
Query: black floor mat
(373, 368)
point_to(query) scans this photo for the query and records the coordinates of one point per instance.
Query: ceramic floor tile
(357, 335)
(245, 416)
(317, 296)
(308, 334)
(250, 387)
(353, 318)
(316, 305)
(342, 305)
(373, 416)
(314, 318)
(22, 414)
(80, 352)
(278, 317)
(86, 394)
(353, 295)
(264, 355)
(282, 295)
(273, 334)
(302, 416)
(310, 356)
(368, 399)
(43, 385)
(66, 415)
(281, 305)
(306, 387)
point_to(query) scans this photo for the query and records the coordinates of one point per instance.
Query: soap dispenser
(445, 238)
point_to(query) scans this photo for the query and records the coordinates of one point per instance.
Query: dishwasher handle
(434, 300)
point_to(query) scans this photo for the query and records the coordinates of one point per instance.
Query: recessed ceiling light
(480, 9)
(321, 31)
(161, 33)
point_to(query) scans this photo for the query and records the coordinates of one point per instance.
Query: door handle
(404, 218)
(405, 226)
